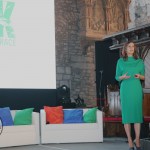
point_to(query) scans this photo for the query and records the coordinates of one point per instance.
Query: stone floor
(108, 144)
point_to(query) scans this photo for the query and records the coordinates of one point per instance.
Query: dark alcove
(106, 60)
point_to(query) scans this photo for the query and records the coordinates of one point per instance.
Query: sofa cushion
(6, 116)
(54, 115)
(90, 116)
(16, 129)
(73, 116)
(73, 126)
(23, 117)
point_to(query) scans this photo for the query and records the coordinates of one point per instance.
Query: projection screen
(27, 44)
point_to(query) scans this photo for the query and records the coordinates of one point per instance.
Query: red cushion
(54, 115)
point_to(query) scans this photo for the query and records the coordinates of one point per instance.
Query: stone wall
(139, 11)
(79, 23)
(75, 63)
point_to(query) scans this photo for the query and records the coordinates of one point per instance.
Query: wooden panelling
(146, 105)
(147, 70)
(114, 129)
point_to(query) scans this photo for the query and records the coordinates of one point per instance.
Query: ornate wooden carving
(103, 17)
(95, 18)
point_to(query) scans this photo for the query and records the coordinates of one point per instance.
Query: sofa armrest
(36, 122)
(35, 118)
(100, 121)
(42, 117)
(99, 116)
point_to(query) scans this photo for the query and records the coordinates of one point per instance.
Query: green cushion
(23, 117)
(90, 116)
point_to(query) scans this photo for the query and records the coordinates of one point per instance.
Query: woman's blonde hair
(124, 51)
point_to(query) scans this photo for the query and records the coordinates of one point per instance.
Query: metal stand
(100, 86)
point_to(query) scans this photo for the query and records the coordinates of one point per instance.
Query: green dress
(131, 92)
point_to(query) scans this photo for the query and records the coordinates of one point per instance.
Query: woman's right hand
(124, 76)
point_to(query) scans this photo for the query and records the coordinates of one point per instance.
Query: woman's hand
(138, 76)
(124, 76)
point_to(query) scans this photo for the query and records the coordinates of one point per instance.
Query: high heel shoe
(131, 148)
(137, 148)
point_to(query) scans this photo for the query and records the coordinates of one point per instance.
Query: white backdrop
(27, 44)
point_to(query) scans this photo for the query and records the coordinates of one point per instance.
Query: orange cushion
(54, 115)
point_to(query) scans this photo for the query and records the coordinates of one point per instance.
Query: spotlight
(115, 41)
(123, 39)
(134, 37)
(63, 94)
(144, 34)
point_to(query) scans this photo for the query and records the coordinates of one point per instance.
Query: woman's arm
(119, 76)
(118, 71)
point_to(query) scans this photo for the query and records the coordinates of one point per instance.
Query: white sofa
(71, 133)
(21, 134)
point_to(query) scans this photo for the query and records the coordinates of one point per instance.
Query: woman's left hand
(137, 76)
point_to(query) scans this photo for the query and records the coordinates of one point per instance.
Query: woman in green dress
(129, 72)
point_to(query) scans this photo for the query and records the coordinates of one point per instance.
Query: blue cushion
(73, 116)
(6, 116)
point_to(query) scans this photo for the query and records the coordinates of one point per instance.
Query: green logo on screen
(7, 36)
